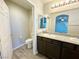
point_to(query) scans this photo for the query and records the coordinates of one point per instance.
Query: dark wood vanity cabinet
(41, 45)
(49, 48)
(54, 49)
(70, 51)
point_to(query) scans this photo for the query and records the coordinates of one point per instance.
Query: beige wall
(38, 10)
(38, 6)
(30, 24)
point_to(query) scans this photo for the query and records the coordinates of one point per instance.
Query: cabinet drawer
(48, 40)
(53, 41)
(69, 45)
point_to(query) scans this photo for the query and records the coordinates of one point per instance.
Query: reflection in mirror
(43, 22)
(61, 24)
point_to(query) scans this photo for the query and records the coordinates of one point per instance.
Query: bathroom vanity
(56, 46)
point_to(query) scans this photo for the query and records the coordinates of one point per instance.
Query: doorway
(21, 21)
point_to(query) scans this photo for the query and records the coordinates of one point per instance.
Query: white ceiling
(46, 1)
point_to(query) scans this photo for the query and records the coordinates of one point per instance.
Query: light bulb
(57, 4)
(73, 0)
(53, 6)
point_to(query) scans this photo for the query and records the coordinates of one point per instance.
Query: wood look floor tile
(25, 53)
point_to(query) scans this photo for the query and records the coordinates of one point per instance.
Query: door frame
(34, 27)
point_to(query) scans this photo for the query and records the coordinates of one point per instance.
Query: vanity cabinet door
(69, 51)
(53, 51)
(48, 47)
(41, 45)
(76, 53)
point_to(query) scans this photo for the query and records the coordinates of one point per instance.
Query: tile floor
(24, 53)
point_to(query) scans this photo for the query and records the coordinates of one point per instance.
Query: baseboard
(19, 46)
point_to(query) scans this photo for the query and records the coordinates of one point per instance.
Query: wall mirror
(61, 24)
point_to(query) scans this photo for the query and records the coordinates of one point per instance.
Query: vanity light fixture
(53, 6)
(63, 3)
(57, 4)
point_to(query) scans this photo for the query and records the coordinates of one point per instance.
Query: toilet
(29, 42)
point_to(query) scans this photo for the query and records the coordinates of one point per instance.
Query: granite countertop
(61, 37)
